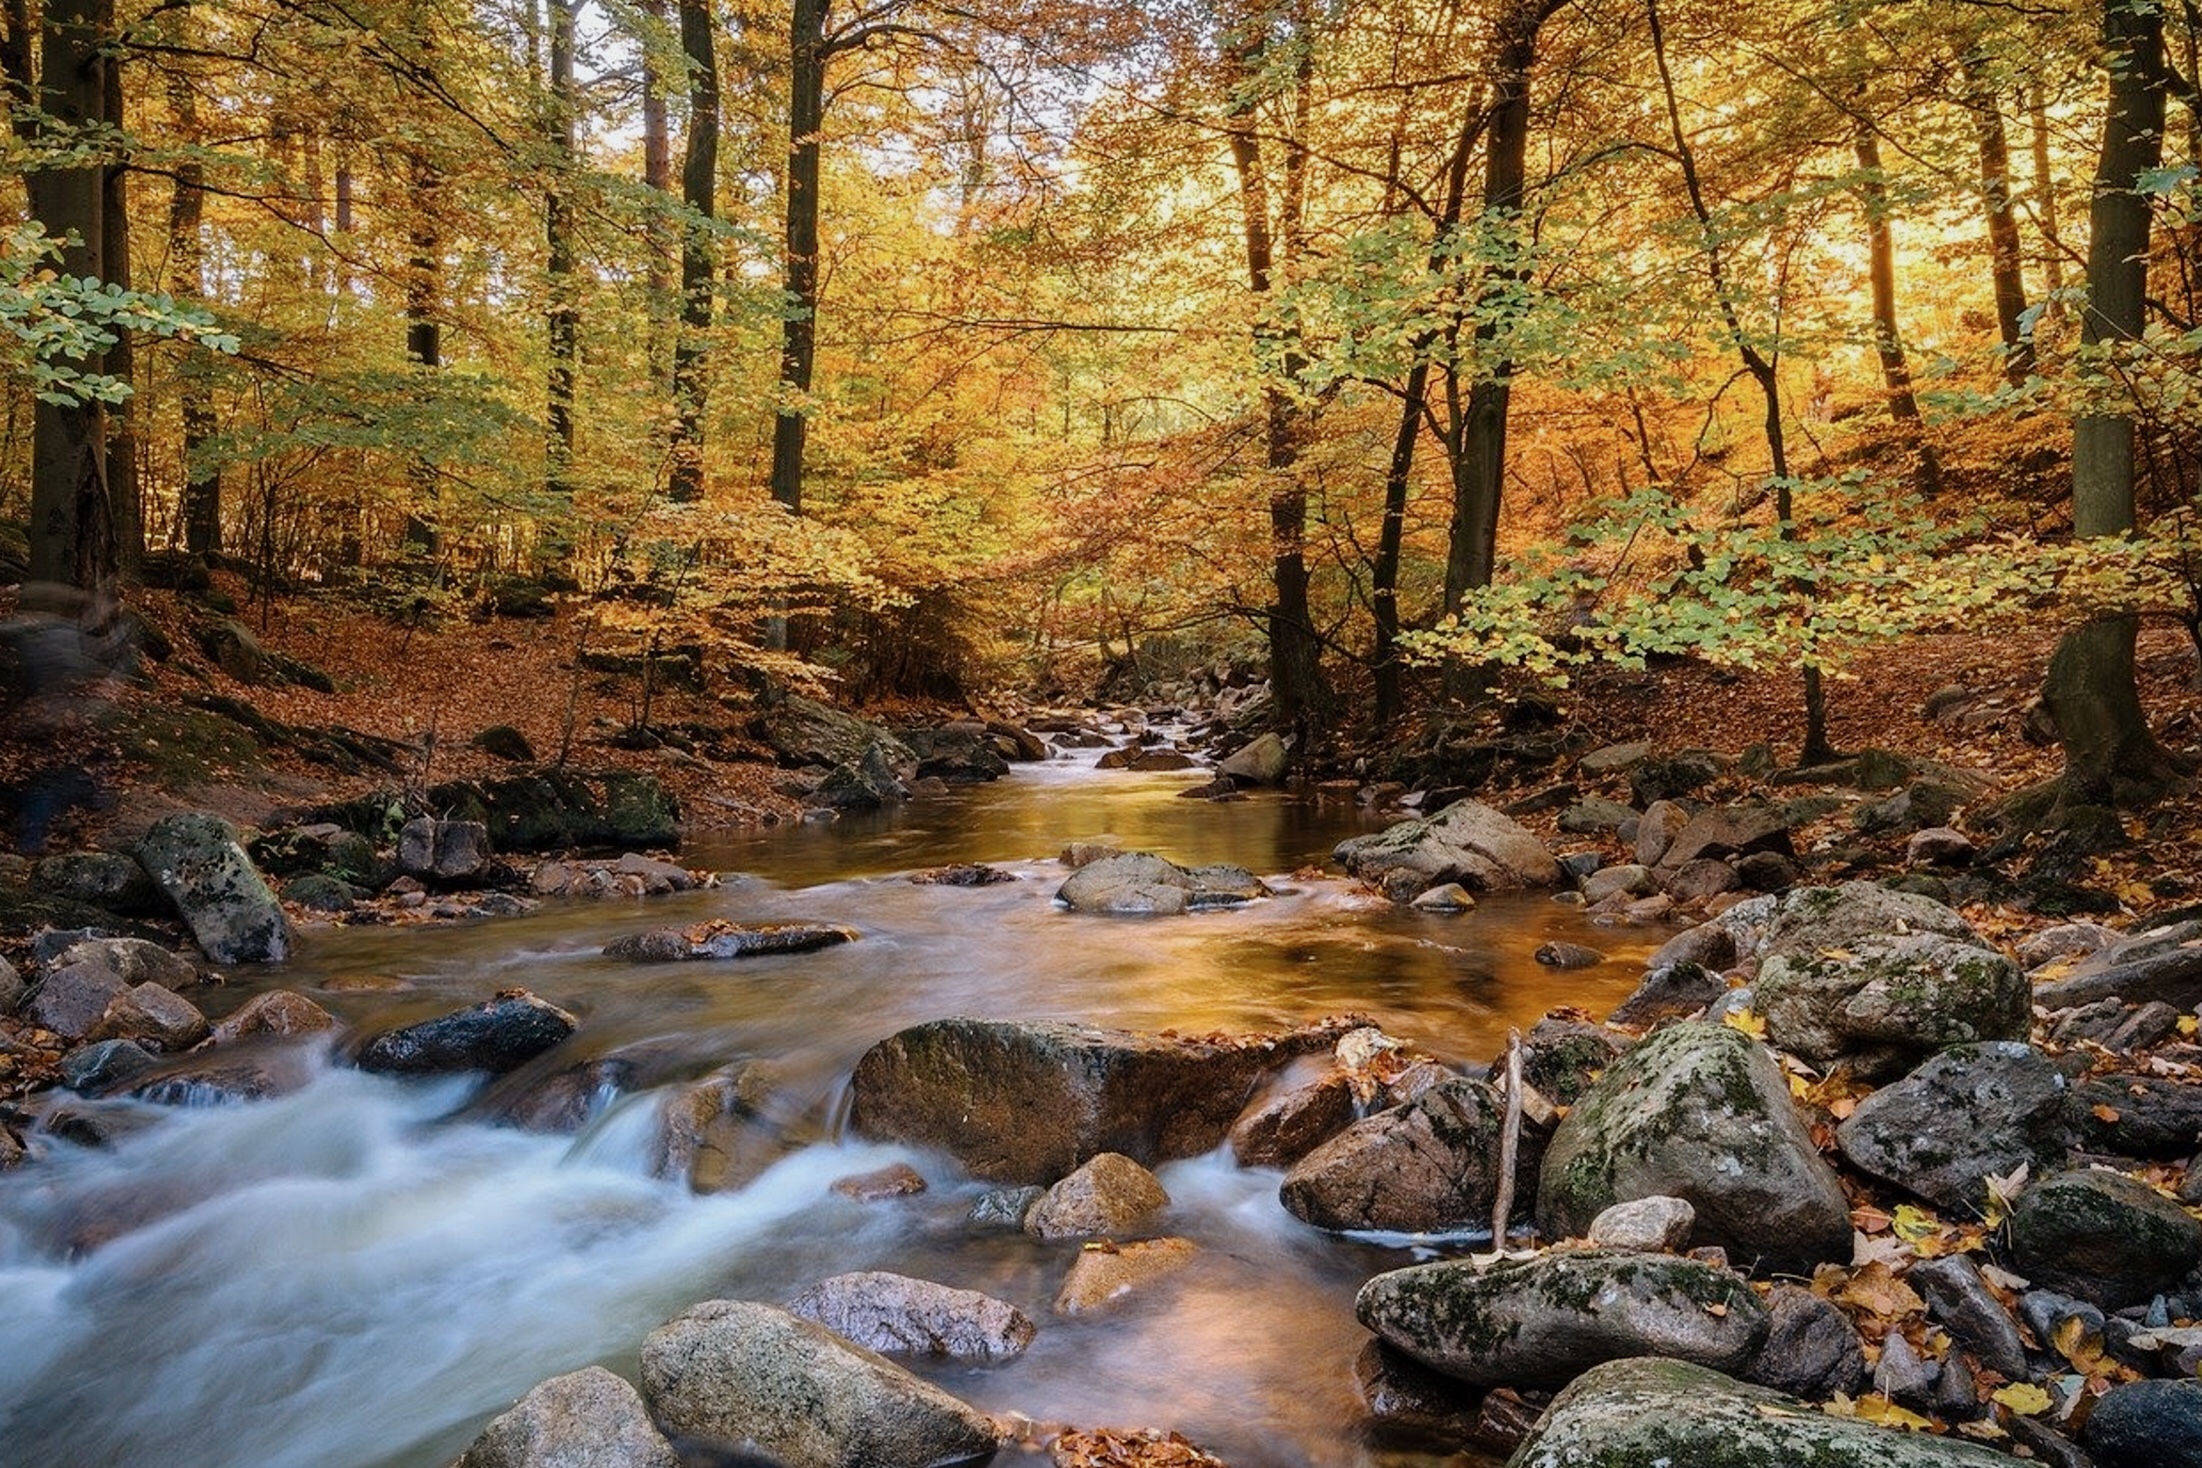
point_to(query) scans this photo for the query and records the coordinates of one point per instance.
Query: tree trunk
(698, 253)
(807, 55)
(657, 176)
(1390, 537)
(2109, 755)
(563, 320)
(202, 491)
(125, 495)
(72, 531)
(1888, 341)
(424, 342)
(2005, 254)
(2045, 202)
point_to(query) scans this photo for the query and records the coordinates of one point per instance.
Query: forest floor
(150, 747)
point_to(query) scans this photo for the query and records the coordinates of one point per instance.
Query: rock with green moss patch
(1430, 1166)
(1139, 883)
(1700, 1112)
(197, 861)
(2102, 1236)
(1544, 1321)
(1812, 920)
(1651, 1413)
(108, 880)
(1969, 1113)
(1882, 1006)
(1467, 842)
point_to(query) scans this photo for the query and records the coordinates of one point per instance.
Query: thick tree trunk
(807, 56)
(698, 252)
(72, 532)
(2109, 755)
(2005, 253)
(125, 494)
(563, 320)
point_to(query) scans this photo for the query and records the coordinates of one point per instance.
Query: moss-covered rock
(1649, 1413)
(2103, 1236)
(1700, 1112)
(1467, 842)
(1884, 1004)
(1542, 1322)
(1971, 1112)
(197, 861)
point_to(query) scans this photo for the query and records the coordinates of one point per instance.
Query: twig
(1510, 1140)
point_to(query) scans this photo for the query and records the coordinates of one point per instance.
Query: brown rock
(1105, 1273)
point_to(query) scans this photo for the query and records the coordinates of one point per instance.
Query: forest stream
(359, 1274)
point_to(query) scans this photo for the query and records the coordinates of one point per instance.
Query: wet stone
(895, 1180)
(1106, 1273)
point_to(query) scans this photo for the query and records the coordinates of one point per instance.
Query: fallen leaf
(2024, 1398)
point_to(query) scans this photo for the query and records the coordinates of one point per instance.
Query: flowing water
(359, 1274)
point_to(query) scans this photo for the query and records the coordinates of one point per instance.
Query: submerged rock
(1027, 1103)
(497, 1035)
(1106, 1273)
(1543, 1321)
(721, 938)
(731, 1376)
(897, 1315)
(1141, 883)
(584, 1419)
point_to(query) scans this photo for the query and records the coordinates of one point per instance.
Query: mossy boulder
(803, 731)
(1140, 883)
(108, 880)
(1544, 1321)
(2103, 1236)
(1887, 1003)
(1971, 1112)
(1813, 920)
(1651, 1413)
(198, 863)
(1467, 842)
(555, 809)
(1700, 1112)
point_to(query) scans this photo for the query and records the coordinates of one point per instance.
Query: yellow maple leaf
(1751, 1024)
(2024, 1398)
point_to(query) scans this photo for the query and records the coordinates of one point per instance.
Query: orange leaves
(1112, 1447)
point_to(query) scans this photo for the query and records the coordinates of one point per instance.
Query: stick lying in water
(1510, 1137)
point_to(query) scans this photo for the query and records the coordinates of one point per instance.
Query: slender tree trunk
(1390, 539)
(563, 320)
(2109, 754)
(202, 490)
(2005, 253)
(72, 531)
(698, 253)
(807, 56)
(2045, 200)
(657, 176)
(1888, 339)
(424, 342)
(125, 493)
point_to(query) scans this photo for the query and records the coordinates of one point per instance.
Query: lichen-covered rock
(109, 880)
(2102, 1236)
(496, 1035)
(1027, 1103)
(1647, 1412)
(1969, 1113)
(900, 1316)
(728, 1375)
(1430, 1166)
(1880, 1006)
(1467, 842)
(1645, 1225)
(197, 862)
(1813, 920)
(2146, 1424)
(803, 731)
(1108, 1194)
(1811, 1348)
(1543, 1321)
(1140, 883)
(1700, 1112)
(584, 1419)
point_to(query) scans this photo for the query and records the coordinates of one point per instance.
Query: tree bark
(2110, 757)
(424, 340)
(72, 531)
(698, 253)
(807, 55)
(563, 319)
(202, 491)
(1888, 340)
(657, 176)
(125, 495)
(2005, 253)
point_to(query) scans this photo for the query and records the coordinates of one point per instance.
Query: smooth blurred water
(359, 1274)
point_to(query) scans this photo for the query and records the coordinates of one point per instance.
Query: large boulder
(584, 1419)
(1969, 1113)
(443, 850)
(961, 753)
(1264, 761)
(1141, 883)
(1649, 1413)
(897, 1315)
(2102, 1236)
(2164, 964)
(1429, 1166)
(1109, 1195)
(2146, 1424)
(1882, 1005)
(1700, 1112)
(499, 1034)
(110, 880)
(197, 862)
(1729, 830)
(1814, 920)
(865, 783)
(1027, 1103)
(1541, 1322)
(552, 809)
(1467, 842)
(803, 731)
(729, 1376)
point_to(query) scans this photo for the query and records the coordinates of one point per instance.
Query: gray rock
(1003, 1208)
(803, 731)
(728, 1375)
(1467, 842)
(2146, 1424)
(1404, 1396)
(1669, 777)
(1109, 1194)
(1614, 759)
(1429, 1166)
(278, 1012)
(900, 1316)
(1730, 830)
(2102, 1236)
(1561, 1057)
(1904, 1376)
(1812, 1350)
(1957, 1296)
(584, 1419)
(1644, 1225)
(1923, 803)
(92, 1070)
(1634, 1414)
(1701, 878)
(1141, 883)
(108, 880)
(723, 939)
(1027, 1103)
(1595, 816)
(1767, 871)
(12, 988)
(2066, 940)
(1543, 1321)
(1939, 846)
(71, 999)
(231, 1077)
(1626, 880)
(1675, 991)
(446, 850)
(1700, 1112)
(497, 1035)
(2164, 964)
(1814, 920)
(1711, 945)
(1971, 1112)
(865, 783)
(1656, 829)
(196, 860)
(1099, 1278)
(1568, 956)
(1263, 762)
(1446, 897)
(132, 960)
(2158, 1117)
(1289, 1125)
(1881, 1006)
(157, 1017)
